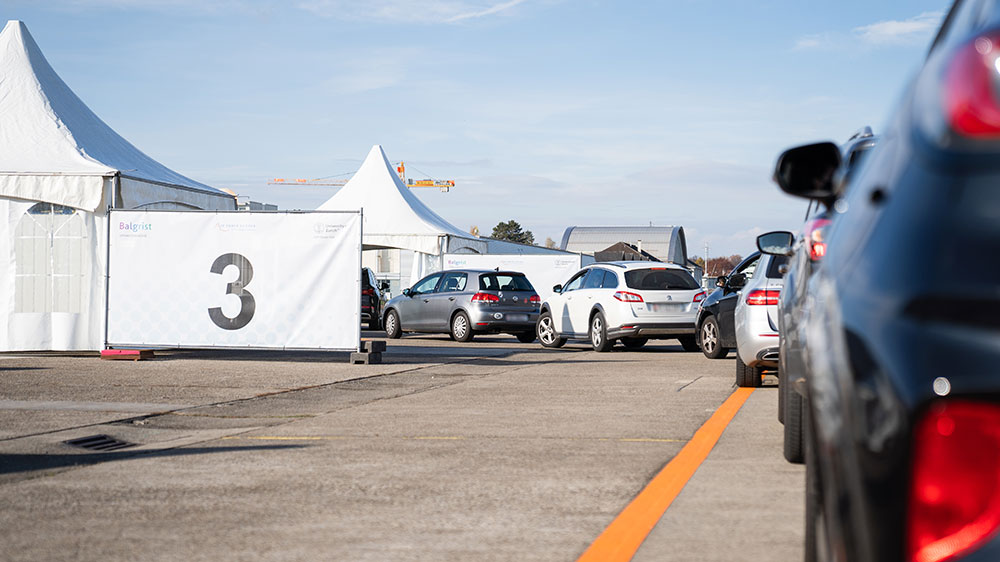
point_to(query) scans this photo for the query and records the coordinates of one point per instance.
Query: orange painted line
(622, 538)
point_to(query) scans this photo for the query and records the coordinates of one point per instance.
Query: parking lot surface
(493, 450)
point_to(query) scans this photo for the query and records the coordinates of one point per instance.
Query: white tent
(395, 218)
(61, 168)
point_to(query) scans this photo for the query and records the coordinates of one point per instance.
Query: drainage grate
(99, 443)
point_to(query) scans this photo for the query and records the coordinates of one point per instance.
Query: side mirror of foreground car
(808, 171)
(557, 288)
(406, 292)
(777, 243)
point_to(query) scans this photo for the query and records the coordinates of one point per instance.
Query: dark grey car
(463, 302)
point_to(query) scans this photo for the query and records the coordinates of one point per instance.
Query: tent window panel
(50, 257)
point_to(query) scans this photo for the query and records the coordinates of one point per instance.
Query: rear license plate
(517, 317)
(665, 306)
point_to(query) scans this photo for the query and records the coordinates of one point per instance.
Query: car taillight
(485, 297)
(699, 297)
(369, 292)
(763, 297)
(626, 296)
(534, 299)
(954, 499)
(970, 88)
(815, 241)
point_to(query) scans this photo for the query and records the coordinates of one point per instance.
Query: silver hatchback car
(756, 320)
(463, 302)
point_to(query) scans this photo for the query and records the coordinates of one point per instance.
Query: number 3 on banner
(248, 306)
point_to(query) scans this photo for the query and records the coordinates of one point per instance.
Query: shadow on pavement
(12, 462)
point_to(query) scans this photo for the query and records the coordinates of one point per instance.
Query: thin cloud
(406, 11)
(487, 12)
(817, 41)
(917, 28)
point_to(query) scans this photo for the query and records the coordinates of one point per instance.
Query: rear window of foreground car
(772, 269)
(660, 279)
(504, 282)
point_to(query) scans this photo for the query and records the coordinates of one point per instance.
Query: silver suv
(756, 320)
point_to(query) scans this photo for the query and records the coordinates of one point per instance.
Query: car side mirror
(808, 171)
(777, 243)
(720, 281)
(408, 292)
(557, 288)
(383, 285)
(737, 281)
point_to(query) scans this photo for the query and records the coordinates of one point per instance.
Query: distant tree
(722, 265)
(699, 261)
(512, 232)
(550, 243)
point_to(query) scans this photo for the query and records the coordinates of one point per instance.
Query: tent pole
(361, 262)
(115, 182)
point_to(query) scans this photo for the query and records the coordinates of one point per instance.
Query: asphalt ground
(492, 450)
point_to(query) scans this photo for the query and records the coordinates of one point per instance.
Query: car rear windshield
(504, 282)
(659, 279)
(776, 262)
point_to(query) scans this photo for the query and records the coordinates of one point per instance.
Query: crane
(443, 185)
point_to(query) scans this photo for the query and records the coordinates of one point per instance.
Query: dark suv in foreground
(902, 340)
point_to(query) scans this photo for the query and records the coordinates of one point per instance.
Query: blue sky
(549, 112)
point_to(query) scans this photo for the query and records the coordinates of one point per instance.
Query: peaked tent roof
(393, 216)
(53, 147)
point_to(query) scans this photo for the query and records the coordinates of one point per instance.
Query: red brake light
(485, 297)
(763, 297)
(814, 238)
(970, 86)
(699, 297)
(955, 486)
(626, 296)
(369, 292)
(534, 298)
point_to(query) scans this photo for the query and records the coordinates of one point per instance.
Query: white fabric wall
(62, 256)
(56, 301)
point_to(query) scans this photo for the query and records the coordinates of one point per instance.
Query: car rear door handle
(451, 298)
(427, 300)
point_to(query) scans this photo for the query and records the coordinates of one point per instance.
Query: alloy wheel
(460, 326)
(546, 332)
(709, 337)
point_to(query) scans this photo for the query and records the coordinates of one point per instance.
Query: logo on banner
(134, 229)
(324, 230)
(236, 227)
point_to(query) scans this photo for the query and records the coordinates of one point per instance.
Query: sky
(553, 113)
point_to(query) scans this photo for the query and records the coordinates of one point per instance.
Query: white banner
(235, 279)
(542, 270)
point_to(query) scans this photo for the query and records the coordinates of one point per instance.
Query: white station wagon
(632, 301)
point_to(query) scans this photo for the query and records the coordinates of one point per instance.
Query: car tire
(689, 343)
(711, 341)
(634, 343)
(525, 337)
(815, 535)
(782, 388)
(545, 328)
(393, 329)
(599, 333)
(461, 327)
(375, 322)
(793, 448)
(746, 376)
